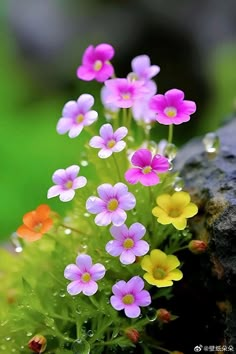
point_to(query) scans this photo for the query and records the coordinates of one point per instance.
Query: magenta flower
(84, 275)
(109, 141)
(111, 205)
(141, 66)
(147, 168)
(130, 296)
(95, 63)
(66, 182)
(76, 115)
(127, 244)
(171, 108)
(123, 92)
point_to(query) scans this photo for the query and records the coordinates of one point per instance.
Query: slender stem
(73, 229)
(117, 167)
(129, 118)
(170, 134)
(180, 249)
(124, 111)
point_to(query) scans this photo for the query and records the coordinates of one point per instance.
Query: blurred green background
(41, 47)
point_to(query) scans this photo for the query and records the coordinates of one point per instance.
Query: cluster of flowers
(136, 96)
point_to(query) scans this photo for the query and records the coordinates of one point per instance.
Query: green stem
(129, 118)
(124, 111)
(73, 229)
(180, 249)
(170, 134)
(117, 167)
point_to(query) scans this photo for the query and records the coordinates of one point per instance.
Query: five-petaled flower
(171, 108)
(127, 244)
(84, 275)
(95, 63)
(76, 115)
(66, 182)
(174, 209)
(161, 268)
(130, 296)
(147, 167)
(109, 141)
(111, 205)
(36, 223)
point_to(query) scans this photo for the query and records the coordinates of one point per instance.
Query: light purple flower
(123, 92)
(84, 275)
(141, 66)
(109, 106)
(66, 182)
(130, 296)
(127, 244)
(109, 141)
(142, 112)
(76, 115)
(111, 205)
(95, 63)
(147, 168)
(171, 108)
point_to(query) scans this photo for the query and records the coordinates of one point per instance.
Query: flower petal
(97, 271)
(180, 199)
(142, 158)
(106, 132)
(105, 153)
(74, 288)
(114, 248)
(134, 285)
(179, 223)
(72, 272)
(64, 125)
(67, 195)
(84, 262)
(158, 258)
(105, 73)
(70, 109)
(85, 102)
(90, 117)
(29, 235)
(119, 232)
(104, 51)
(141, 247)
(172, 262)
(95, 205)
(118, 217)
(133, 175)
(174, 97)
(103, 218)
(79, 182)
(190, 210)
(160, 163)
(106, 191)
(75, 130)
(120, 133)
(72, 171)
(175, 274)
(96, 142)
(85, 73)
(143, 298)
(117, 303)
(59, 176)
(127, 257)
(146, 264)
(164, 201)
(127, 201)
(54, 191)
(119, 146)
(149, 179)
(132, 311)
(90, 288)
(119, 288)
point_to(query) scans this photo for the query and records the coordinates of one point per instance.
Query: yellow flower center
(128, 243)
(97, 65)
(37, 228)
(159, 273)
(128, 299)
(174, 213)
(112, 204)
(125, 96)
(170, 112)
(146, 169)
(86, 277)
(69, 184)
(80, 118)
(111, 143)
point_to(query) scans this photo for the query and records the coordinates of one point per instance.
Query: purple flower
(123, 92)
(127, 243)
(66, 182)
(142, 112)
(76, 115)
(95, 63)
(111, 205)
(141, 66)
(84, 275)
(130, 296)
(109, 141)
(171, 108)
(147, 168)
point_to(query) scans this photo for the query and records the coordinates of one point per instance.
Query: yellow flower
(161, 268)
(174, 209)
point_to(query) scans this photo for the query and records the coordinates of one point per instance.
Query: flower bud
(38, 343)
(132, 334)
(163, 316)
(176, 352)
(197, 246)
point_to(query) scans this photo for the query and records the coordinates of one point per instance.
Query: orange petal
(27, 234)
(30, 220)
(42, 212)
(47, 224)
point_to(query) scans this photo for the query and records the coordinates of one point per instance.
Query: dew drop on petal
(81, 346)
(178, 184)
(211, 142)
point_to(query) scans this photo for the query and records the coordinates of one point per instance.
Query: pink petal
(90, 288)
(140, 248)
(70, 109)
(74, 288)
(95, 205)
(137, 231)
(119, 146)
(85, 102)
(105, 153)
(84, 262)
(96, 142)
(160, 163)
(127, 257)
(142, 158)
(54, 191)
(85, 73)
(188, 107)
(105, 51)
(79, 182)
(119, 288)
(143, 298)
(90, 117)
(75, 130)
(114, 248)
(181, 118)
(67, 195)
(127, 202)
(89, 56)
(163, 119)
(132, 176)
(117, 303)
(120, 189)
(119, 232)
(118, 217)
(105, 73)
(120, 133)
(97, 271)
(106, 132)
(59, 176)
(149, 179)
(103, 219)
(174, 97)
(106, 191)
(158, 103)
(134, 285)
(132, 311)
(140, 63)
(72, 272)
(64, 125)
(72, 172)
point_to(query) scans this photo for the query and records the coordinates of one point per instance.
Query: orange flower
(35, 223)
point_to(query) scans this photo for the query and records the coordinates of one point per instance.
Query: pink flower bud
(132, 334)
(197, 246)
(163, 316)
(38, 343)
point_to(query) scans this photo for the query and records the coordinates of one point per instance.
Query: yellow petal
(175, 274)
(181, 199)
(179, 223)
(190, 210)
(159, 283)
(158, 212)
(158, 258)
(164, 201)
(172, 262)
(164, 220)
(146, 264)
(149, 278)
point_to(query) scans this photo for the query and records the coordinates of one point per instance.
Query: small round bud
(38, 343)
(163, 316)
(197, 246)
(176, 352)
(132, 334)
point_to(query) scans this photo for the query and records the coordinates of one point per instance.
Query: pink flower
(130, 296)
(95, 63)
(171, 108)
(141, 66)
(127, 244)
(84, 275)
(76, 115)
(66, 182)
(123, 93)
(109, 141)
(111, 204)
(147, 168)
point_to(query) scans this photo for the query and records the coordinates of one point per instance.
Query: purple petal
(142, 158)
(143, 298)
(105, 51)
(127, 257)
(97, 271)
(140, 63)
(134, 285)
(72, 172)
(72, 272)
(85, 102)
(119, 146)
(54, 191)
(74, 288)
(103, 219)
(59, 176)
(85, 73)
(75, 130)
(64, 125)
(106, 191)
(140, 248)
(132, 311)
(70, 110)
(96, 142)
(84, 262)
(105, 73)
(120, 189)
(180, 118)
(95, 205)
(90, 117)
(106, 132)
(90, 288)
(160, 163)
(137, 231)
(119, 289)
(149, 179)
(89, 56)
(118, 217)
(174, 97)
(133, 175)
(79, 182)
(105, 153)
(117, 303)
(153, 71)
(127, 202)
(120, 133)
(114, 248)
(67, 195)
(119, 232)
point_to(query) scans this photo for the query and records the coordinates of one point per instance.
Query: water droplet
(170, 151)
(178, 184)
(49, 321)
(62, 293)
(16, 243)
(55, 293)
(81, 346)
(8, 338)
(13, 350)
(84, 163)
(211, 142)
(170, 166)
(151, 314)
(87, 215)
(29, 334)
(68, 231)
(90, 333)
